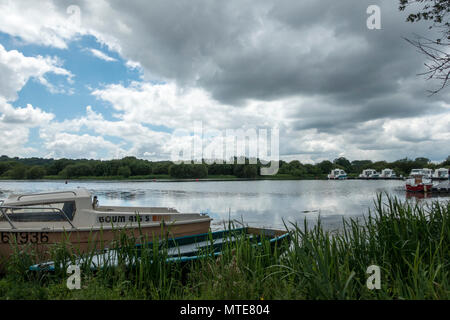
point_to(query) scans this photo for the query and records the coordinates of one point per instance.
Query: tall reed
(409, 242)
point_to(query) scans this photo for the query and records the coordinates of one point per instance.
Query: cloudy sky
(106, 79)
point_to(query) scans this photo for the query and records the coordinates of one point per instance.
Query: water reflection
(418, 195)
(256, 203)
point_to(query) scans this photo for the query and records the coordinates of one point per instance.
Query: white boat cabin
(77, 209)
(388, 173)
(428, 173)
(441, 173)
(337, 174)
(369, 173)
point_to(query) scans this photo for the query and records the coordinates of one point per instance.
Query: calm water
(257, 203)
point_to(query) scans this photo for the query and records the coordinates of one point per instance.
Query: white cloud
(13, 140)
(133, 65)
(131, 138)
(82, 146)
(101, 55)
(174, 107)
(15, 124)
(24, 117)
(37, 22)
(334, 88)
(16, 69)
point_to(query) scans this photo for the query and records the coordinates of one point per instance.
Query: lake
(261, 203)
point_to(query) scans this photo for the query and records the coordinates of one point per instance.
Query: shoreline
(131, 179)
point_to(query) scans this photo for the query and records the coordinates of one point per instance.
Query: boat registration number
(24, 237)
(130, 218)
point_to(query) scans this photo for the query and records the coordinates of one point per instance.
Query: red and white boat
(418, 184)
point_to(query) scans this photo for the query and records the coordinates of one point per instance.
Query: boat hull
(419, 187)
(192, 248)
(83, 241)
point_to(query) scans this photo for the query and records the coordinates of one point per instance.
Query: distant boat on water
(337, 174)
(419, 183)
(369, 174)
(388, 174)
(425, 172)
(441, 173)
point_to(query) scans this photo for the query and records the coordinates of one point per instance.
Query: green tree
(325, 166)
(421, 161)
(220, 169)
(446, 162)
(188, 171)
(298, 172)
(178, 171)
(250, 171)
(199, 171)
(5, 166)
(17, 172)
(35, 172)
(100, 169)
(124, 171)
(284, 167)
(76, 170)
(58, 165)
(359, 165)
(312, 169)
(343, 162)
(161, 167)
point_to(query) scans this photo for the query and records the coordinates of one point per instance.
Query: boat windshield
(40, 212)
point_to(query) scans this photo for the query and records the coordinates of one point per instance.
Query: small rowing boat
(182, 249)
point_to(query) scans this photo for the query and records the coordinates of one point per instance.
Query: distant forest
(131, 167)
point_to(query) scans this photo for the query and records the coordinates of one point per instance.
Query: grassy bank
(411, 245)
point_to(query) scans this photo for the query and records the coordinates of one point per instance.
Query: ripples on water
(263, 203)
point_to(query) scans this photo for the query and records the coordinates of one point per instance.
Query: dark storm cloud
(332, 118)
(318, 53)
(304, 48)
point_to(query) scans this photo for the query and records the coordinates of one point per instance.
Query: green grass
(410, 243)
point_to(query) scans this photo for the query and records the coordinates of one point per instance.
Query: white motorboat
(441, 173)
(369, 174)
(74, 216)
(337, 174)
(388, 174)
(425, 172)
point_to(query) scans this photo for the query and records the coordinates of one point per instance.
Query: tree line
(39, 168)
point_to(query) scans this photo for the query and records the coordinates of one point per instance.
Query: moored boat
(183, 249)
(428, 173)
(418, 184)
(369, 174)
(425, 172)
(337, 174)
(74, 217)
(388, 174)
(441, 174)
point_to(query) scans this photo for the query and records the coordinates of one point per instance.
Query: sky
(107, 79)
